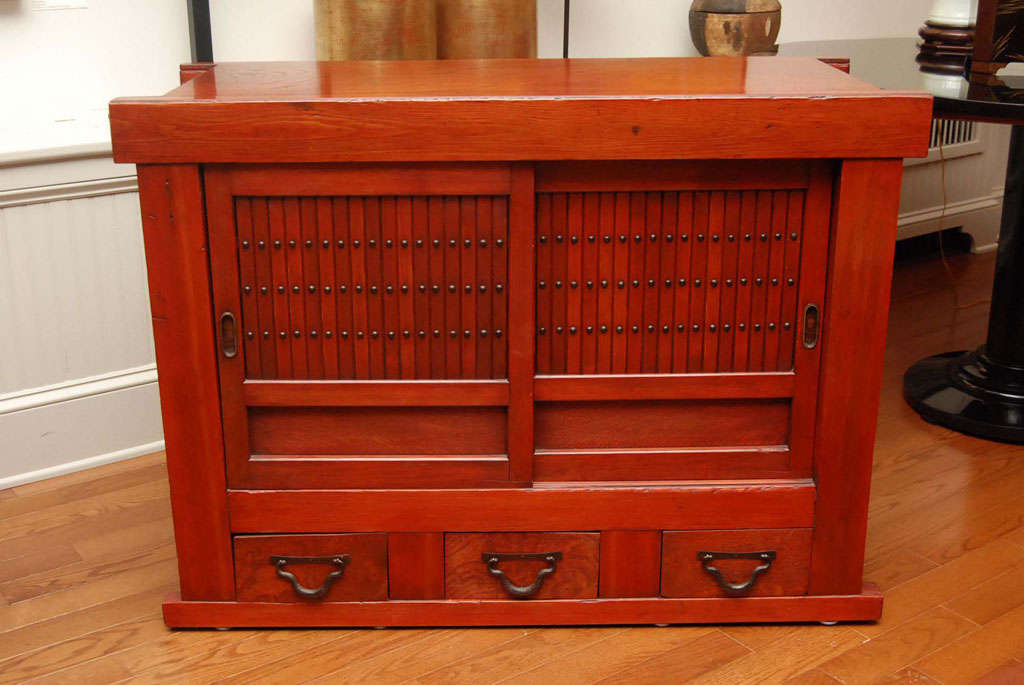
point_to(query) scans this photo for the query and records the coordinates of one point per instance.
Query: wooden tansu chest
(519, 341)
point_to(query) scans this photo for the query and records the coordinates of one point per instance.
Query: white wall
(272, 29)
(59, 68)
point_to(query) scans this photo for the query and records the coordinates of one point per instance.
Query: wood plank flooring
(86, 559)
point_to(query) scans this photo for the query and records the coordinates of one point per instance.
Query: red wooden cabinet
(520, 341)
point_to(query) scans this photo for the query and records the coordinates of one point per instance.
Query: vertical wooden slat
(248, 324)
(171, 199)
(605, 283)
(325, 246)
(635, 284)
(450, 290)
(759, 280)
(374, 289)
(264, 288)
(744, 280)
(572, 289)
(774, 281)
(589, 330)
(389, 291)
(467, 285)
(437, 287)
(698, 239)
(620, 284)
(729, 283)
(419, 283)
(559, 264)
(853, 327)
(311, 293)
(344, 287)
(652, 245)
(545, 284)
(713, 285)
(405, 285)
(814, 248)
(790, 278)
(282, 332)
(666, 282)
(683, 283)
(294, 290)
(484, 288)
(521, 365)
(359, 287)
(499, 341)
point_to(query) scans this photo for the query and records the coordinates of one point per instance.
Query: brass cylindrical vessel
(486, 28)
(376, 29)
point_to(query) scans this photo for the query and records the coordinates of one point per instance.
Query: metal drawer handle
(338, 560)
(521, 591)
(766, 559)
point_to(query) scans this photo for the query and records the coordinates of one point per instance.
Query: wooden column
(854, 321)
(179, 285)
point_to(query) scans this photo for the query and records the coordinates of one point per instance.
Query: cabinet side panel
(853, 338)
(179, 285)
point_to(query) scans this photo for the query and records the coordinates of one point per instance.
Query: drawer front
(315, 568)
(769, 563)
(521, 565)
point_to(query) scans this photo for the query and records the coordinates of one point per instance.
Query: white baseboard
(81, 464)
(977, 217)
(93, 423)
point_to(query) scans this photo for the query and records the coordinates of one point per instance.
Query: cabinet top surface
(519, 110)
(519, 78)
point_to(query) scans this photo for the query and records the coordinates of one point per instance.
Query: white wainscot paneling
(77, 378)
(959, 186)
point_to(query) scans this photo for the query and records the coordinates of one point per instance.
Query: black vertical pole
(199, 35)
(1006, 317)
(565, 31)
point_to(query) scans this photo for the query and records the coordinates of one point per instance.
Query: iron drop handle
(766, 559)
(339, 561)
(521, 591)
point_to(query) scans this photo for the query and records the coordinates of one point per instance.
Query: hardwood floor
(85, 560)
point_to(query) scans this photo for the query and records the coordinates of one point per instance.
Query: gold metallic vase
(486, 28)
(375, 29)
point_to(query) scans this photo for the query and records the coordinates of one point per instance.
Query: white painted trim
(81, 464)
(68, 191)
(54, 154)
(950, 210)
(77, 388)
(949, 152)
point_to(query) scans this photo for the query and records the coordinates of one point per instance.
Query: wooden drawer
(564, 564)
(685, 573)
(262, 562)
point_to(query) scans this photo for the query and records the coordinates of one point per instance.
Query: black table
(979, 392)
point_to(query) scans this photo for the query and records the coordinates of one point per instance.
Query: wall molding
(77, 388)
(952, 209)
(81, 464)
(68, 191)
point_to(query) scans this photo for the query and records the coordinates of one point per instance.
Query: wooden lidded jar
(734, 28)
(480, 29)
(375, 29)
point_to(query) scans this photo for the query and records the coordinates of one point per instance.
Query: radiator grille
(947, 133)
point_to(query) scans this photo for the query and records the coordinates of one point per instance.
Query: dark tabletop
(890, 63)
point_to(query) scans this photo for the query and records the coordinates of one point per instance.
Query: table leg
(982, 392)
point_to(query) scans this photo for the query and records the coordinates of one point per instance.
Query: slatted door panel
(668, 282)
(373, 287)
(369, 306)
(670, 299)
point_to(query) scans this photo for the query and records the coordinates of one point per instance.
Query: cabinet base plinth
(866, 606)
